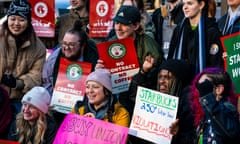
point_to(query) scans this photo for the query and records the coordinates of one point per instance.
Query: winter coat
(176, 15)
(220, 124)
(222, 24)
(51, 66)
(25, 63)
(190, 44)
(66, 21)
(120, 114)
(48, 136)
(186, 133)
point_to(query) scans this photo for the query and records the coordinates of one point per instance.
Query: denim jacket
(220, 124)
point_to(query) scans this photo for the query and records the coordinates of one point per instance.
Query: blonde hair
(25, 129)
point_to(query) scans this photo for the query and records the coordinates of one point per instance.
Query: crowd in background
(179, 51)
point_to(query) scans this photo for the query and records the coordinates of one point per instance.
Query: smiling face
(71, 47)
(30, 112)
(95, 93)
(17, 24)
(125, 31)
(192, 8)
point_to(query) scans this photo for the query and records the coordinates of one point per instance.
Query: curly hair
(26, 131)
(218, 76)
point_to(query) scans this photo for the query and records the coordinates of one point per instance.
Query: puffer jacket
(25, 63)
(120, 115)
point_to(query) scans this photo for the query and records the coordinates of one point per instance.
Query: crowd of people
(179, 52)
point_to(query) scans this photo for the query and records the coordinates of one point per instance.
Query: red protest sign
(100, 19)
(70, 84)
(120, 58)
(43, 17)
(8, 142)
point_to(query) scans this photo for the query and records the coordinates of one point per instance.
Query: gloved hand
(9, 80)
(205, 87)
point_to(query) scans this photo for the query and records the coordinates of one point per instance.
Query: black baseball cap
(127, 15)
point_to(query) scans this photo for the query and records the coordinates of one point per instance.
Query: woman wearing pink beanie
(99, 101)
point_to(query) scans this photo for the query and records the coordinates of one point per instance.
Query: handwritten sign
(77, 129)
(43, 19)
(231, 45)
(70, 84)
(120, 58)
(153, 114)
(100, 19)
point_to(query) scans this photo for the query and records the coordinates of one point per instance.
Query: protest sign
(120, 58)
(153, 114)
(77, 129)
(43, 17)
(100, 19)
(8, 142)
(231, 45)
(70, 84)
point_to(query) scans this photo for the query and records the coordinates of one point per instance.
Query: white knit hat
(38, 97)
(101, 76)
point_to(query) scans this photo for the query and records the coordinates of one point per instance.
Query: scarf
(201, 58)
(100, 113)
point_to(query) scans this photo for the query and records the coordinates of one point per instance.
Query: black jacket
(176, 15)
(190, 44)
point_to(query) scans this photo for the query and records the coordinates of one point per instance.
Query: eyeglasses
(71, 45)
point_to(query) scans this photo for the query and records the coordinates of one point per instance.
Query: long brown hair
(25, 129)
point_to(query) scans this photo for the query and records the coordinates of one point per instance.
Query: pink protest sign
(80, 129)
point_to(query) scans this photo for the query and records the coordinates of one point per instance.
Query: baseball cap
(127, 15)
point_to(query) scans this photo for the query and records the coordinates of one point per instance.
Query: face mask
(205, 87)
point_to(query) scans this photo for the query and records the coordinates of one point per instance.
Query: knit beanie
(181, 69)
(101, 76)
(20, 8)
(38, 97)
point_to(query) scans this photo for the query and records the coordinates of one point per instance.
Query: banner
(76, 129)
(70, 84)
(43, 17)
(153, 113)
(231, 46)
(8, 142)
(120, 58)
(100, 19)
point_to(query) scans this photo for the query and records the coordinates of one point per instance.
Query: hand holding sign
(89, 115)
